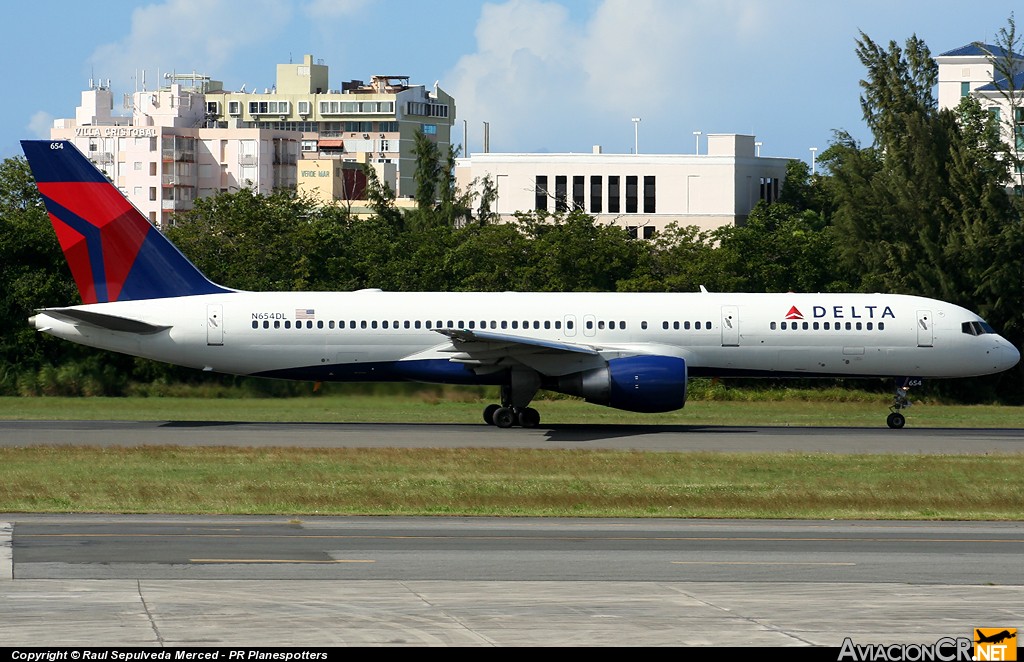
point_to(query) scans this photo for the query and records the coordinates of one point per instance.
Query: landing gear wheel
(503, 417)
(489, 413)
(896, 420)
(529, 417)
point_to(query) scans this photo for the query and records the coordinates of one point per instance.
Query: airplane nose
(1007, 356)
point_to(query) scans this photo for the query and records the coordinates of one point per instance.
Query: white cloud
(328, 9)
(39, 124)
(183, 35)
(570, 83)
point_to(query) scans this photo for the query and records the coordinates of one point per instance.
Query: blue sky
(547, 75)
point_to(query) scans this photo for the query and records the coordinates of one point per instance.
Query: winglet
(114, 253)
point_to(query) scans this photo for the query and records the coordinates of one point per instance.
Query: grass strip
(432, 408)
(508, 482)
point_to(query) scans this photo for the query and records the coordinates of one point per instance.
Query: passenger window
(675, 325)
(320, 324)
(266, 325)
(418, 324)
(362, 324)
(784, 327)
(590, 324)
(547, 325)
(373, 324)
(570, 325)
(622, 326)
(696, 325)
(773, 325)
(881, 326)
(643, 325)
(558, 324)
(255, 324)
(504, 324)
(686, 326)
(277, 324)
(664, 325)
(515, 324)
(806, 326)
(600, 324)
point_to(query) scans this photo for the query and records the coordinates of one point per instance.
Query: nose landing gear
(897, 420)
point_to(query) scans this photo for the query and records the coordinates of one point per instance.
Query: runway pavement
(666, 438)
(211, 581)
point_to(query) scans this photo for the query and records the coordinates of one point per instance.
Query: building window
(430, 129)
(649, 194)
(305, 108)
(234, 107)
(541, 193)
(631, 194)
(595, 194)
(965, 88)
(769, 189)
(561, 199)
(613, 194)
(577, 193)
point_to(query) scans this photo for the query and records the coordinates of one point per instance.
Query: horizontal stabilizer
(104, 321)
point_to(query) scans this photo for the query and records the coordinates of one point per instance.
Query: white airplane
(633, 352)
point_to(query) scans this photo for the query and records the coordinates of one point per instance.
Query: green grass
(507, 482)
(447, 408)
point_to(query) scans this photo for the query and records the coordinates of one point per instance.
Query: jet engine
(647, 384)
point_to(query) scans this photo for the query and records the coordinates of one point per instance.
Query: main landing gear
(901, 401)
(515, 398)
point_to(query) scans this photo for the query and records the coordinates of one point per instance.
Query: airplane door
(924, 328)
(214, 324)
(570, 325)
(589, 325)
(730, 326)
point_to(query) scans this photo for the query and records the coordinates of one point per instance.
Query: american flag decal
(305, 314)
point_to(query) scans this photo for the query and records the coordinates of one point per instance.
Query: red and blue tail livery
(114, 253)
(625, 350)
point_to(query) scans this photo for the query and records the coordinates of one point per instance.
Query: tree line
(927, 208)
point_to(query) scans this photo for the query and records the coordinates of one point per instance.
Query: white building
(641, 192)
(969, 70)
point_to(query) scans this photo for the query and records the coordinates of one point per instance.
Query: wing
(485, 352)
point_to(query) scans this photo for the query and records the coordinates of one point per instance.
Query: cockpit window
(976, 328)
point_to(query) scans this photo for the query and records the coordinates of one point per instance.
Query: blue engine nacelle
(647, 384)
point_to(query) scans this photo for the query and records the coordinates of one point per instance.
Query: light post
(696, 139)
(813, 150)
(636, 135)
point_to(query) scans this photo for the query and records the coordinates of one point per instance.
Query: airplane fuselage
(383, 336)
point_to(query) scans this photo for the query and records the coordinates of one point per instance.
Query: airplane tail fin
(114, 253)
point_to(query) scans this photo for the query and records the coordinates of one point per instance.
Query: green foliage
(923, 210)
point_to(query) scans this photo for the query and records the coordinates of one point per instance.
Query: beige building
(641, 192)
(371, 122)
